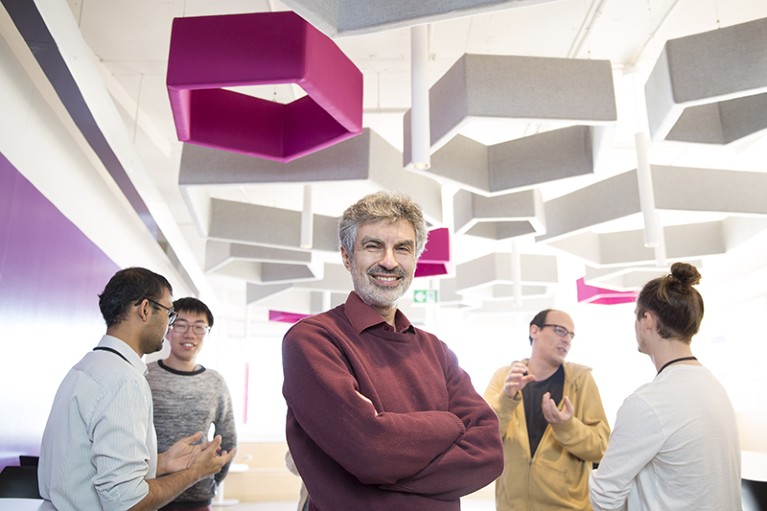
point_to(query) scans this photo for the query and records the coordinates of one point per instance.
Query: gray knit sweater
(187, 402)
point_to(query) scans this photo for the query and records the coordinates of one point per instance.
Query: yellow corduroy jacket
(557, 477)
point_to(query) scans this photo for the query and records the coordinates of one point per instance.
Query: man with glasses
(99, 448)
(552, 422)
(189, 397)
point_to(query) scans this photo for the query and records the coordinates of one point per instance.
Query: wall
(50, 276)
(64, 230)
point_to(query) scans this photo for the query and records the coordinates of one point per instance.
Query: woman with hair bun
(675, 441)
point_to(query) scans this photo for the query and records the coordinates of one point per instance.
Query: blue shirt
(99, 445)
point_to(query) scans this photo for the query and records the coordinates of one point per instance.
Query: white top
(99, 444)
(674, 447)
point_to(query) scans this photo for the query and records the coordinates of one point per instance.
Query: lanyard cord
(111, 350)
(675, 361)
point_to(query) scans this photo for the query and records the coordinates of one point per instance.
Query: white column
(419, 119)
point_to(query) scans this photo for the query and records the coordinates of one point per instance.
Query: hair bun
(685, 273)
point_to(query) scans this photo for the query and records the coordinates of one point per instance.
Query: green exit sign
(425, 296)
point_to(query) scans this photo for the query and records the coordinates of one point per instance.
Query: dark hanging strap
(682, 359)
(112, 350)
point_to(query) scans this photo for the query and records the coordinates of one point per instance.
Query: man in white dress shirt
(99, 449)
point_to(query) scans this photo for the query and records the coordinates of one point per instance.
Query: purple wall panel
(50, 275)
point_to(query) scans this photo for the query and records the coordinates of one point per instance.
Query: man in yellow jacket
(552, 422)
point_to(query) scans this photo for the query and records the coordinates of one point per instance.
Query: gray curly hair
(382, 206)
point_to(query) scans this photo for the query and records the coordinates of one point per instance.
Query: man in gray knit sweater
(189, 397)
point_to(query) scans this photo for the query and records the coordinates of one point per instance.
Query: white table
(24, 505)
(753, 465)
(219, 500)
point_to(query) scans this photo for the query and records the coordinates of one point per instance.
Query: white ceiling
(130, 40)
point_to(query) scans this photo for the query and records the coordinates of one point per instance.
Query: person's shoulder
(216, 382)
(317, 322)
(212, 374)
(644, 398)
(106, 370)
(113, 380)
(577, 370)
(314, 319)
(156, 371)
(425, 338)
(501, 372)
(426, 334)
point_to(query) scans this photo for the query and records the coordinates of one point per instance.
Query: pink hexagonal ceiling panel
(600, 295)
(210, 53)
(436, 257)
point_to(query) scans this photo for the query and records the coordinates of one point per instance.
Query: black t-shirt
(532, 395)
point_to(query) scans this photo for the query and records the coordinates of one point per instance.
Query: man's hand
(516, 379)
(363, 396)
(182, 465)
(554, 415)
(179, 455)
(210, 458)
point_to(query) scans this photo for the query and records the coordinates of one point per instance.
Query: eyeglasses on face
(171, 313)
(183, 327)
(560, 330)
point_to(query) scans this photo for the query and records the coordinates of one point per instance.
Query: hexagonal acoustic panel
(675, 189)
(219, 254)
(576, 91)
(252, 224)
(436, 256)
(210, 53)
(710, 87)
(519, 163)
(630, 278)
(499, 217)
(286, 317)
(367, 157)
(627, 247)
(346, 17)
(602, 296)
(721, 122)
(491, 277)
(334, 279)
(257, 263)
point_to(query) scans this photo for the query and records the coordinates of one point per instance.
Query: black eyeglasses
(560, 330)
(171, 313)
(183, 327)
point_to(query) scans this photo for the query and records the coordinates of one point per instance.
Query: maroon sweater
(426, 440)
